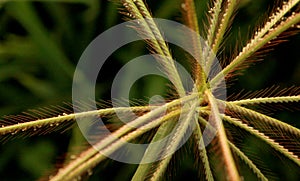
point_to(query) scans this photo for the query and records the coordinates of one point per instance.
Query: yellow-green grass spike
(213, 24)
(180, 132)
(92, 157)
(263, 118)
(266, 100)
(236, 150)
(139, 11)
(60, 119)
(202, 150)
(119, 133)
(225, 21)
(253, 46)
(264, 138)
(144, 170)
(249, 163)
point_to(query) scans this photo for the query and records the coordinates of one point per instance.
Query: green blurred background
(41, 42)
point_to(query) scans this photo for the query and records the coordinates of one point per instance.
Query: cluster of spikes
(232, 119)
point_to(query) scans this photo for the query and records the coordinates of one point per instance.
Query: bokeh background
(41, 42)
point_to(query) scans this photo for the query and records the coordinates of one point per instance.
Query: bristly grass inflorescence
(234, 119)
